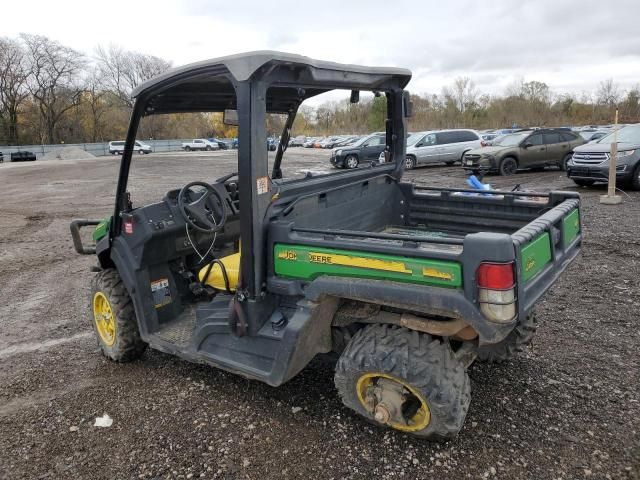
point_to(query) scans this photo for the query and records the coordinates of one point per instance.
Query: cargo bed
(425, 238)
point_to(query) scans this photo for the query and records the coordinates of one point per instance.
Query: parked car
(346, 141)
(591, 135)
(310, 142)
(590, 162)
(487, 138)
(367, 148)
(222, 144)
(1, 157)
(117, 147)
(331, 142)
(447, 146)
(23, 156)
(272, 144)
(525, 149)
(297, 141)
(318, 142)
(200, 144)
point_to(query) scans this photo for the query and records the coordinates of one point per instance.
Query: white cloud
(569, 45)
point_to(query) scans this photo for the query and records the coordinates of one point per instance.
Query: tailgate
(544, 249)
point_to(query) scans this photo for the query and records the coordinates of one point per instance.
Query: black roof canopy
(209, 85)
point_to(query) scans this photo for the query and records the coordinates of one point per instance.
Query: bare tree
(53, 80)
(464, 93)
(13, 91)
(608, 93)
(95, 99)
(122, 70)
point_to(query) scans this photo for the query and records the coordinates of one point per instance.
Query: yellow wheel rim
(418, 420)
(103, 316)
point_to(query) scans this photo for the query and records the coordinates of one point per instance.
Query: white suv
(117, 148)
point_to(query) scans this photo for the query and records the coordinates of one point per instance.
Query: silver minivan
(440, 146)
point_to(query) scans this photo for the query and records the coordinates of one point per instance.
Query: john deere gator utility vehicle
(408, 284)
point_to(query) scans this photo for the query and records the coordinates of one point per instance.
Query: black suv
(367, 148)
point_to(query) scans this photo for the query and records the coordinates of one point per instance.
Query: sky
(570, 45)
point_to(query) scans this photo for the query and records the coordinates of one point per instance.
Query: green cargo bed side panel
(570, 227)
(307, 263)
(535, 256)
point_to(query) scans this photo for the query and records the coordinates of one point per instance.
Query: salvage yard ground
(568, 408)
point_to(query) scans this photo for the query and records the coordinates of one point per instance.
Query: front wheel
(351, 161)
(187, 148)
(508, 166)
(114, 319)
(405, 380)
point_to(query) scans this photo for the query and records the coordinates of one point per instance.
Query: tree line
(51, 93)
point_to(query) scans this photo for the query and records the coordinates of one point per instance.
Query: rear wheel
(405, 380)
(513, 344)
(351, 161)
(409, 163)
(114, 319)
(583, 183)
(508, 166)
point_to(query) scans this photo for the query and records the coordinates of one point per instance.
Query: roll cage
(255, 84)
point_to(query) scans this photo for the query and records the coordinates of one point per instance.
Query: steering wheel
(198, 213)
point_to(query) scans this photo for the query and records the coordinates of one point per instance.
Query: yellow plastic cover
(216, 279)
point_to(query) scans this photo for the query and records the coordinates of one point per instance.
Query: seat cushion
(216, 278)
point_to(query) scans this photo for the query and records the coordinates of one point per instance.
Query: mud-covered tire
(513, 344)
(508, 166)
(563, 164)
(427, 364)
(128, 345)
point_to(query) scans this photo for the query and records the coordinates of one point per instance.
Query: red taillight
(496, 276)
(128, 226)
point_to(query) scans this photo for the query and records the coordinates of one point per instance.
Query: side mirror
(230, 117)
(355, 96)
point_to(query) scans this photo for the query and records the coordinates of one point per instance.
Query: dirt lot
(567, 409)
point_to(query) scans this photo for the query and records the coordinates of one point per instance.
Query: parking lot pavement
(568, 408)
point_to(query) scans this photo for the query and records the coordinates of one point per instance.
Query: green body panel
(570, 227)
(101, 229)
(307, 263)
(535, 256)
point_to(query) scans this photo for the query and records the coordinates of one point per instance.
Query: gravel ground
(568, 408)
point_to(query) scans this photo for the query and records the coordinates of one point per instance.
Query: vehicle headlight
(625, 153)
(338, 152)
